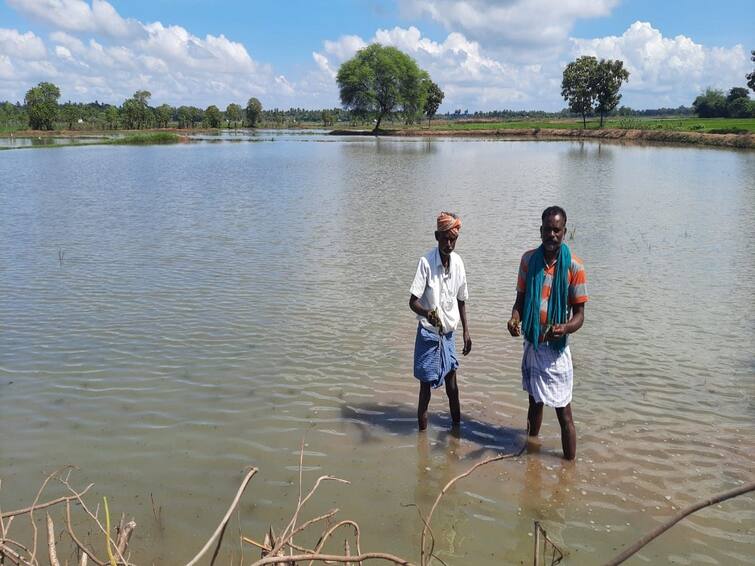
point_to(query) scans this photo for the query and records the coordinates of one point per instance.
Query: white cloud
(520, 22)
(97, 54)
(468, 76)
(664, 70)
(21, 45)
(78, 16)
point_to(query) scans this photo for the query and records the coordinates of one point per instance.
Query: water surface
(171, 315)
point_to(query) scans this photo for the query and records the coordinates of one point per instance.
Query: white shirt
(439, 288)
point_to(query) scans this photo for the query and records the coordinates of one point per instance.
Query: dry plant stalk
(20, 555)
(276, 549)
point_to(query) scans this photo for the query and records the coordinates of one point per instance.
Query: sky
(484, 54)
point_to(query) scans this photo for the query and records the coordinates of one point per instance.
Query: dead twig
(104, 531)
(85, 551)
(51, 542)
(224, 521)
(658, 531)
(333, 558)
(424, 561)
(32, 557)
(45, 505)
(287, 532)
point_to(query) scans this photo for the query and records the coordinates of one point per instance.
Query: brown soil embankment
(746, 141)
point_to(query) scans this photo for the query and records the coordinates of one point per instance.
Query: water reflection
(217, 302)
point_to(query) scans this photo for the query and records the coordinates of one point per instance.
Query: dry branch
(51, 542)
(658, 531)
(221, 526)
(426, 557)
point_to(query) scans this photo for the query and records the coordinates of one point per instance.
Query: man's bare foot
(422, 421)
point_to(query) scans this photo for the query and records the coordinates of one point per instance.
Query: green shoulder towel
(558, 303)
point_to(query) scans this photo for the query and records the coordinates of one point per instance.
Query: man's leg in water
(534, 417)
(452, 390)
(568, 432)
(422, 404)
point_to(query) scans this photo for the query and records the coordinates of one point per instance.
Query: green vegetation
(42, 106)
(714, 104)
(434, 99)
(751, 76)
(146, 138)
(704, 125)
(233, 114)
(253, 111)
(382, 80)
(590, 86)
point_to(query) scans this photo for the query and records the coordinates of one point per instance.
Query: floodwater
(171, 315)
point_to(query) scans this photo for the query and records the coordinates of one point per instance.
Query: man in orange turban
(438, 296)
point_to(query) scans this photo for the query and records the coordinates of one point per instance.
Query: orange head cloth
(448, 221)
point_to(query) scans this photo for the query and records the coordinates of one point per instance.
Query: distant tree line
(714, 103)
(42, 111)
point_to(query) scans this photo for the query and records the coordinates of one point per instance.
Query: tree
(253, 111)
(163, 114)
(433, 101)
(751, 76)
(213, 117)
(233, 114)
(327, 118)
(184, 116)
(42, 106)
(111, 117)
(380, 80)
(70, 114)
(609, 75)
(737, 92)
(711, 104)
(577, 86)
(136, 111)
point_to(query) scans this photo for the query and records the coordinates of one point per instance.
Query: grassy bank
(692, 124)
(146, 138)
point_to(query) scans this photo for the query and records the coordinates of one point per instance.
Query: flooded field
(170, 315)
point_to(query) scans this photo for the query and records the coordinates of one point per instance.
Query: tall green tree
(163, 114)
(738, 104)
(212, 116)
(751, 76)
(433, 101)
(253, 111)
(233, 114)
(577, 86)
(380, 80)
(111, 117)
(70, 114)
(136, 110)
(42, 106)
(710, 104)
(609, 74)
(184, 114)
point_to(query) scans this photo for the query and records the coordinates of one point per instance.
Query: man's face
(552, 232)
(446, 241)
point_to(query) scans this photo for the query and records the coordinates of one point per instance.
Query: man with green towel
(552, 285)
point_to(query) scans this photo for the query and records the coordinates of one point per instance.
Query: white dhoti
(547, 374)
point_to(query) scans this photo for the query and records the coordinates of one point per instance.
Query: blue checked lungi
(434, 356)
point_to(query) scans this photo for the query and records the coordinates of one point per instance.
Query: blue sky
(484, 54)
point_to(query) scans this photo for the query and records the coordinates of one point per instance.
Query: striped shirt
(577, 283)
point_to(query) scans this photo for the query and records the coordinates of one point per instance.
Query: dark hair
(553, 211)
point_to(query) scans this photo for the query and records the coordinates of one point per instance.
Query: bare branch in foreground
(426, 560)
(658, 531)
(223, 522)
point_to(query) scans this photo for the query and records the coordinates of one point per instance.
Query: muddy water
(171, 315)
